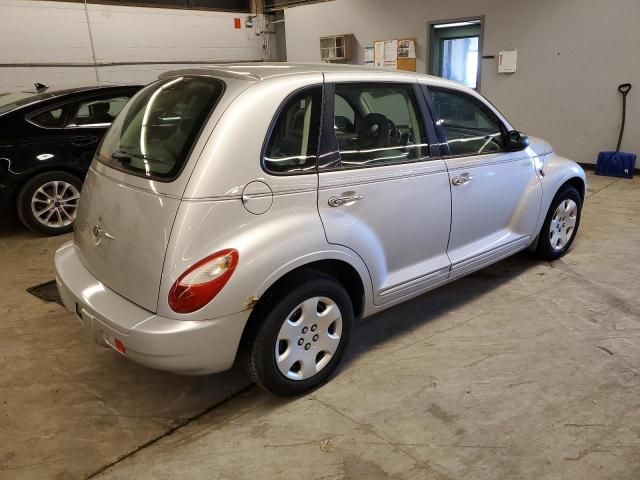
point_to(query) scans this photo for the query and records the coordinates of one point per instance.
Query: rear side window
(386, 125)
(471, 127)
(98, 111)
(154, 134)
(293, 144)
(53, 118)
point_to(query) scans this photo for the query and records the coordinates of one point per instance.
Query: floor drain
(47, 291)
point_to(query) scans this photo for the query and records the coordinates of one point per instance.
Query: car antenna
(40, 87)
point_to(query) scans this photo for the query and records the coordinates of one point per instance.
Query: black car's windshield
(154, 133)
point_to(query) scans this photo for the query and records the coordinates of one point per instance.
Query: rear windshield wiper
(123, 157)
(126, 156)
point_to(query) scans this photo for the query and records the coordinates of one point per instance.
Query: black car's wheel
(299, 335)
(48, 202)
(561, 225)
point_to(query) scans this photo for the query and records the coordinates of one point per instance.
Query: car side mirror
(515, 141)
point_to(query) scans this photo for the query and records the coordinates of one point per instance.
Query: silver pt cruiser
(256, 210)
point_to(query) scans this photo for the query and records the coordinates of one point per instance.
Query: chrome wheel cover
(55, 204)
(308, 338)
(563, 224)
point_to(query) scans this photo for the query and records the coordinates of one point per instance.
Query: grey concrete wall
(66, 36)
(572, 55)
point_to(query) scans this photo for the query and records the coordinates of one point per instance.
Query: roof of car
(258, 71)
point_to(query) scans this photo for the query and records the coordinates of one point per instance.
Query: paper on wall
(369, 56)
(378, 54)
(390, 51)
(391, 54)
(507, 61)
(412, 49)
(406, 49)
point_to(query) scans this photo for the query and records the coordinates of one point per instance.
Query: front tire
(48, 202)
(561, 225)
(299, 335)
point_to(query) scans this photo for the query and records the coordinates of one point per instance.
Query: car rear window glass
(153, 135)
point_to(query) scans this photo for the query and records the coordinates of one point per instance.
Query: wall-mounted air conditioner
(336, 47)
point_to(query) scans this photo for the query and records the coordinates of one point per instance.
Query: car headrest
(100, 109)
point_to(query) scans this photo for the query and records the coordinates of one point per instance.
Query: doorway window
(455, 51)
(460, 60)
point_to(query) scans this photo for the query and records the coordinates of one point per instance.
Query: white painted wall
(572, 55)
(34, 32)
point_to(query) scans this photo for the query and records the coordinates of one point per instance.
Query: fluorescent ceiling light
(457, 24)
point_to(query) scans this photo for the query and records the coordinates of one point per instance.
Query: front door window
(471, 127)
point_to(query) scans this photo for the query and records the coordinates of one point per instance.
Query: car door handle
(344, 199)
(462, 179)
(83, 141)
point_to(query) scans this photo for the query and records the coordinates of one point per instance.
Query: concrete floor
(524, 370)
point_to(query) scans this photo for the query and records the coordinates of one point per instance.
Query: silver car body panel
(289, 236)
(187, 347)
(399, 263)
(411, 230)
(504, 184)
(138, 213)
(557, 170)
(138, 224)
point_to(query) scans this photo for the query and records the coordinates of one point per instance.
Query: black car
(47, 142)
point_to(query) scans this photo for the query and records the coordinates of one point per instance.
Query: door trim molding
(482, 160)
(476, 262)
(426, 278)
(390, 177)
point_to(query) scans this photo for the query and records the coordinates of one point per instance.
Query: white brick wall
(43, 32)
(37, 32)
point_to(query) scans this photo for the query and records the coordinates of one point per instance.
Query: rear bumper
(186, 347)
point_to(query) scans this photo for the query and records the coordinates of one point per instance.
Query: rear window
(153, 135)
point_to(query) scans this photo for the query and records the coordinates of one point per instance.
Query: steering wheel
(376, 130)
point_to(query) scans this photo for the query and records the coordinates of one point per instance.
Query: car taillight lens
(203, 281)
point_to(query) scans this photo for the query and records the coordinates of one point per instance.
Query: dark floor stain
(47, 291)
(358, 468)
(605, 350)
(435, 410)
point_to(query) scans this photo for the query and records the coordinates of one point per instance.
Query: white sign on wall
(507, 61)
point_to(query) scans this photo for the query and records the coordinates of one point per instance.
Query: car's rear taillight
(202, 281)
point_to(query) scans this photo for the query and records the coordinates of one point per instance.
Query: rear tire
(561, 225)
(48, 202)
(298, 335)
